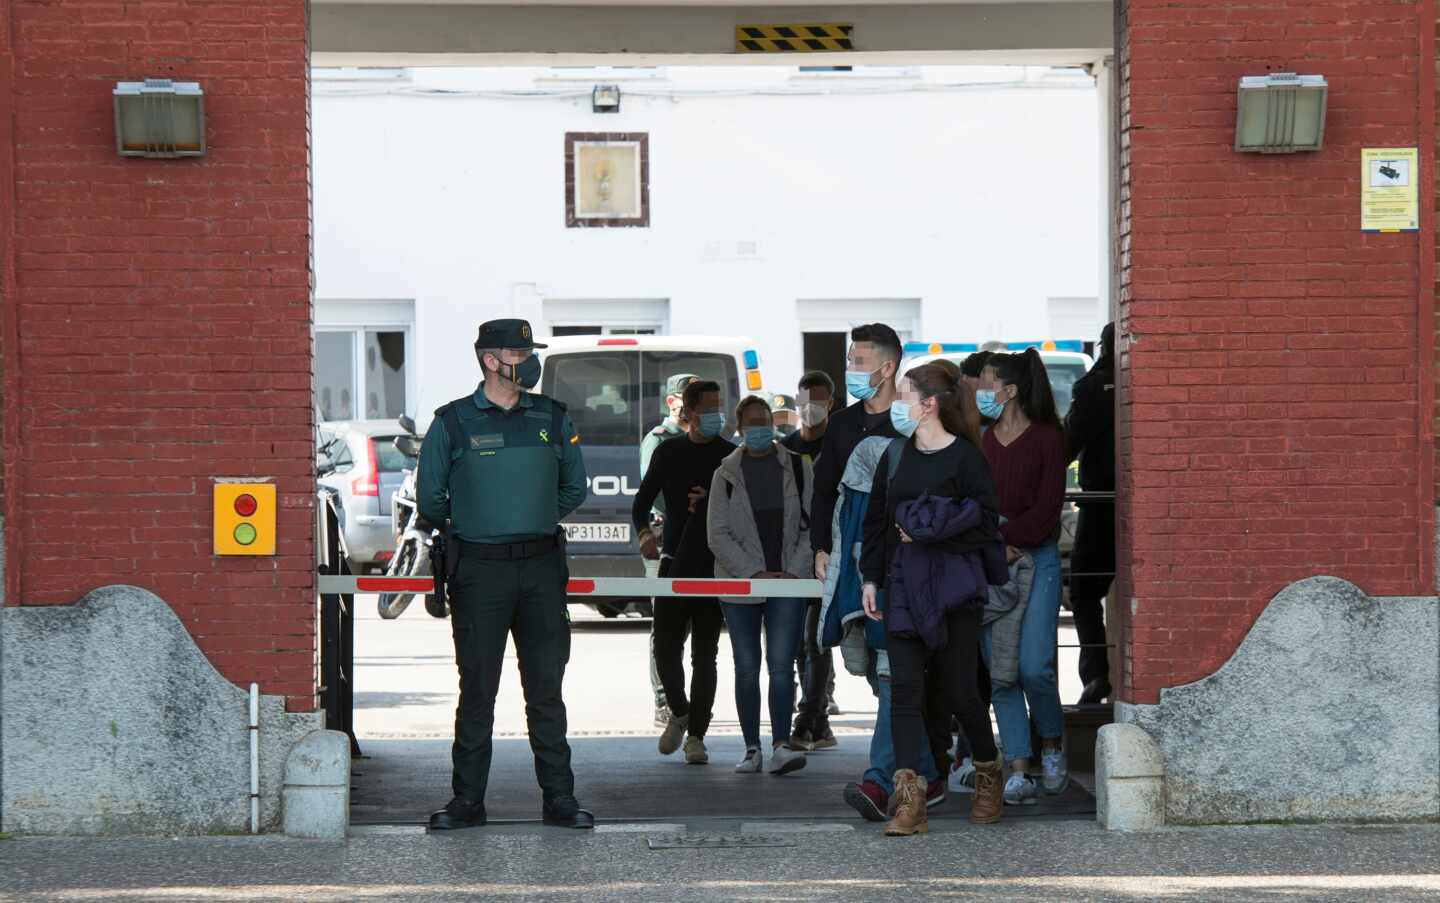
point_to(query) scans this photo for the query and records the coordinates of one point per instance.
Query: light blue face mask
(759, 438)
(858, 384)
(987, 403)
(900, 418)
(711, 424)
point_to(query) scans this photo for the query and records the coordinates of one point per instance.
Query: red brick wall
(1276, 391)
(162, 312)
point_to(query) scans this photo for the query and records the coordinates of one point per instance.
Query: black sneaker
(802, 740)
(1096, 691)
(458, 813)
(565, 812)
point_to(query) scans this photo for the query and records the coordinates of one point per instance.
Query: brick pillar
(1276, 364)
(162, 312)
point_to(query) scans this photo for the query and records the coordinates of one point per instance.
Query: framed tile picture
(607, 179)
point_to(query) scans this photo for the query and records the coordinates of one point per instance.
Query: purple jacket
(926, 584)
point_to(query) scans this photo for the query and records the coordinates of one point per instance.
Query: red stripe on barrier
(710, 587)
(395, 584)
(580, 587)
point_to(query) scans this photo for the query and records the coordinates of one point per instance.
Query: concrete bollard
(316, 796)
(1129, 780)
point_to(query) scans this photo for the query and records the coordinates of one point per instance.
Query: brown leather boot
(908, 804)
(989, 799)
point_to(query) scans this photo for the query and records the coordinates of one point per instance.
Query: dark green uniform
(505, 487)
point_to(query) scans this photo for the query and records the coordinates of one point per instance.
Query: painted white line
(638, 828)
(785, 827)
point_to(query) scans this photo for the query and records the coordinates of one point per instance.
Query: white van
(614, 388)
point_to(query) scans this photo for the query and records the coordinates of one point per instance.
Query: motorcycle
(413, 534)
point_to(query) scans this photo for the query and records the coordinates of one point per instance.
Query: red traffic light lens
(246, 505)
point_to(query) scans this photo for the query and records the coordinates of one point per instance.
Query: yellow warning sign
(1389, 189)
(794, 38)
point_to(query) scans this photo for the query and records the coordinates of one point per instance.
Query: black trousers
(983, 687)
(956, 671)
(1094, 554)
(816, 668)
(489, 601)
(701, 618)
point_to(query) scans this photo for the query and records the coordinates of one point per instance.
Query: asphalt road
(405, 703)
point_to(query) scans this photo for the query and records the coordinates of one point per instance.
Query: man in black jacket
(871, 367)
(1090, 436)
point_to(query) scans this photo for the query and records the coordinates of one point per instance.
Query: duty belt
(507, 551)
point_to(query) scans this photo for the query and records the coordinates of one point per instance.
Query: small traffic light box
(244, 518)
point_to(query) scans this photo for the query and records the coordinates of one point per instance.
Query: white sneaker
(753, 762)
(673, 735)
(695, 752)
(784, 760)
(1057, 772)
(1020, 790)
(962, 777)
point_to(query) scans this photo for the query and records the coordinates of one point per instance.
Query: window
(602, 392)
(335, 376)
(360, 373)
(1063, 377)
(561, 331)
(607, 316)
(388, 458)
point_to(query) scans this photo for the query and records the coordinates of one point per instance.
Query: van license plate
(597, 532)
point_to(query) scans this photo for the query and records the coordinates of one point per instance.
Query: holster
(444, 559)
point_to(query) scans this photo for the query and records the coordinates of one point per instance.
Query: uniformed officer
(1090, 436)
(503, 466)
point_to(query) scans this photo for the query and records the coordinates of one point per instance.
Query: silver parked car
(367, 469)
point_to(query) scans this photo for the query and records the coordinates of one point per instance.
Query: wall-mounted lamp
(159, 118)
(605, 99)
(1281, 113)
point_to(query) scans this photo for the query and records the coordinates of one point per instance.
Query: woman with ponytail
(1026, 451)
(936, 581)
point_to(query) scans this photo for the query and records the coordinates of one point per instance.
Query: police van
(614, 388)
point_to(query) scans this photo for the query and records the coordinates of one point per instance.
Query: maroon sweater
(1029, 477)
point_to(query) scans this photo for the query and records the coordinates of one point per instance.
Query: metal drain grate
(717, 841)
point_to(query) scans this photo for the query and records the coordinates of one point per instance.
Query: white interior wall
(981, 202)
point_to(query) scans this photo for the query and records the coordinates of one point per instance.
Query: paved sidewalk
(1019, 860)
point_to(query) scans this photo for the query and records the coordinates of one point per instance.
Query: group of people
(930, 509)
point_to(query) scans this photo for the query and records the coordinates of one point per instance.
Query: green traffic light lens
(245, 534)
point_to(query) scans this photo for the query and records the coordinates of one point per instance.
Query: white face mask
(813, 414)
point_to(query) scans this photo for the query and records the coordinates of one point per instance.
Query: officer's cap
(507, 334)
(782, 403)
(676, 384)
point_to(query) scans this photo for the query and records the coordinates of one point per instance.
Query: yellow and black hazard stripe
(794, 38)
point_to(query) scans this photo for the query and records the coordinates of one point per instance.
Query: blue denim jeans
(1037, 683)
(783, 621)
(882, 747)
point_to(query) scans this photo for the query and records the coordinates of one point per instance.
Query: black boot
(565, 812)
(458, 813)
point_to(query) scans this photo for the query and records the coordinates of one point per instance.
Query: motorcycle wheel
(393, 605)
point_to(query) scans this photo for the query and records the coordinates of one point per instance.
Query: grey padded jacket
(734, 537)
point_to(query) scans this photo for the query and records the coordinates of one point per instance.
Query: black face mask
(526, 374)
